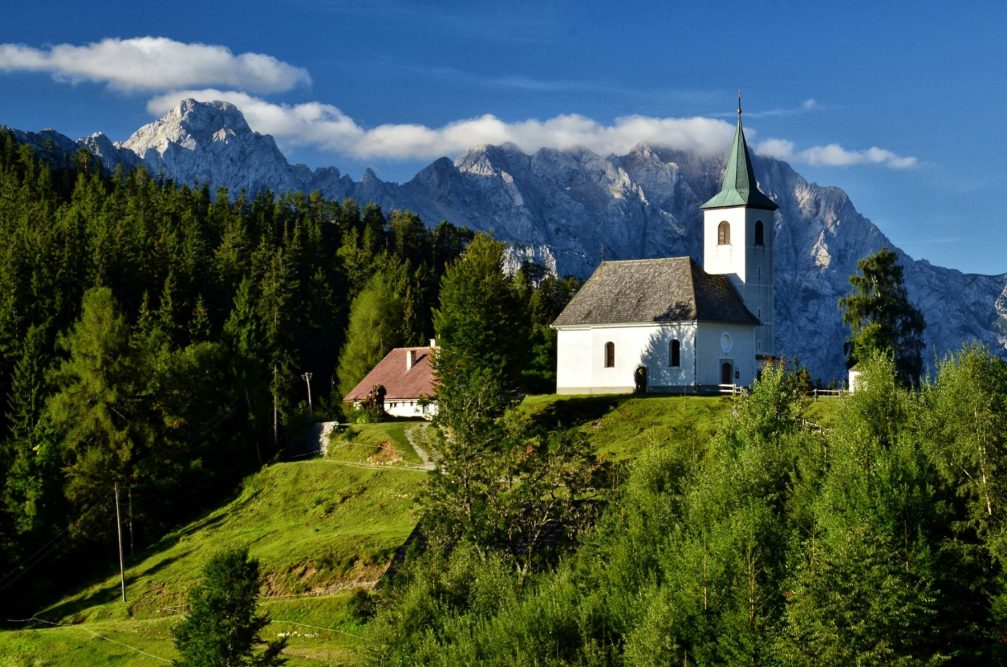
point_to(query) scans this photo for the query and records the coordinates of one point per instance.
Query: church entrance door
(640, 379)
(727, 373)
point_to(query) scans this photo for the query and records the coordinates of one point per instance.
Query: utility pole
(129, 512)
(118, 530)
(251, 418)
(276, 411)
(307, 381)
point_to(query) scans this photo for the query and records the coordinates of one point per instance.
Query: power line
(26, 564)
(86, 629)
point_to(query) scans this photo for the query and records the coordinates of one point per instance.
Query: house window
(609, 355)
(675, 354)
(759, 233)
(724, 233)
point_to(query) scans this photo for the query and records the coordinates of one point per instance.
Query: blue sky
(900, 104)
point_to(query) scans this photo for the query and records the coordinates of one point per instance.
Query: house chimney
(433, 342)
(410, 359)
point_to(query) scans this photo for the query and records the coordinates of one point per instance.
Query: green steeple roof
(739, 188)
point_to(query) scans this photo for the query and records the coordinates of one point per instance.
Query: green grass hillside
(321, 528)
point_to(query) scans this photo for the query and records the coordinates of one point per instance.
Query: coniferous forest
(153, 345)
(154, 341)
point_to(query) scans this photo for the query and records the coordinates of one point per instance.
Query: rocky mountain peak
(189, 125)
(211, 142)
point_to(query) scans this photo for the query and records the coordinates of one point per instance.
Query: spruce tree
(97, 410)
(482, 332)
(881, 318)
(482, 329)
(223, 628)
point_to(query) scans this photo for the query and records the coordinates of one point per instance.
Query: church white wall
(573, 352)
(580, 363)
(713, 349)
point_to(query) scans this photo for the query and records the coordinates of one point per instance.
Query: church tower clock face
(726, 342)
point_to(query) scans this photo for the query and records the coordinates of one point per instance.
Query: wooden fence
(738, 390)
(823, 393)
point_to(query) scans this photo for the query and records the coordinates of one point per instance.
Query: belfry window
(760, 235)
(609, 355)
(675, 353)
(724, 233)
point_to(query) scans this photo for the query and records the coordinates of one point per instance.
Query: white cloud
(833, 155)
(155, 63)
(809, 104)
(326, 127)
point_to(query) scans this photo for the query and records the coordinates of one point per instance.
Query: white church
(669, 325)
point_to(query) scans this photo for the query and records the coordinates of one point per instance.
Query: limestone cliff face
(210, 142)
(566, 209)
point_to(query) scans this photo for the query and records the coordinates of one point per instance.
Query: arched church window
(675, 353)
(760, 235)
(609, 355)
(724, 233)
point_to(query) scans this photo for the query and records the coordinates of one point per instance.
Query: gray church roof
(654, 290)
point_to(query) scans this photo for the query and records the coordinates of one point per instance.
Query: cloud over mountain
(326, 127)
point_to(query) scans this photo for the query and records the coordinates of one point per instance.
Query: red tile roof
(399, 383)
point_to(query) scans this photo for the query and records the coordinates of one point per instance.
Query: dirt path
(411, 434)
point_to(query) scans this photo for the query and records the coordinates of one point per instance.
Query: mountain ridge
(569, 208)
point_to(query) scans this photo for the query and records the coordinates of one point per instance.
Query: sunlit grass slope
(319, 528)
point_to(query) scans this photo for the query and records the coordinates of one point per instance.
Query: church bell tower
(738, 239)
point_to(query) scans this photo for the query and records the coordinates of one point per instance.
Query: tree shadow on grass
(571, 412)
(107, 594)
(212, 518)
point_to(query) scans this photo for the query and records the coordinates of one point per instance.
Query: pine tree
(866, 584)
(881, 318)
(482, 329)
(27, 393)
(223, 628)
(482, 332)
